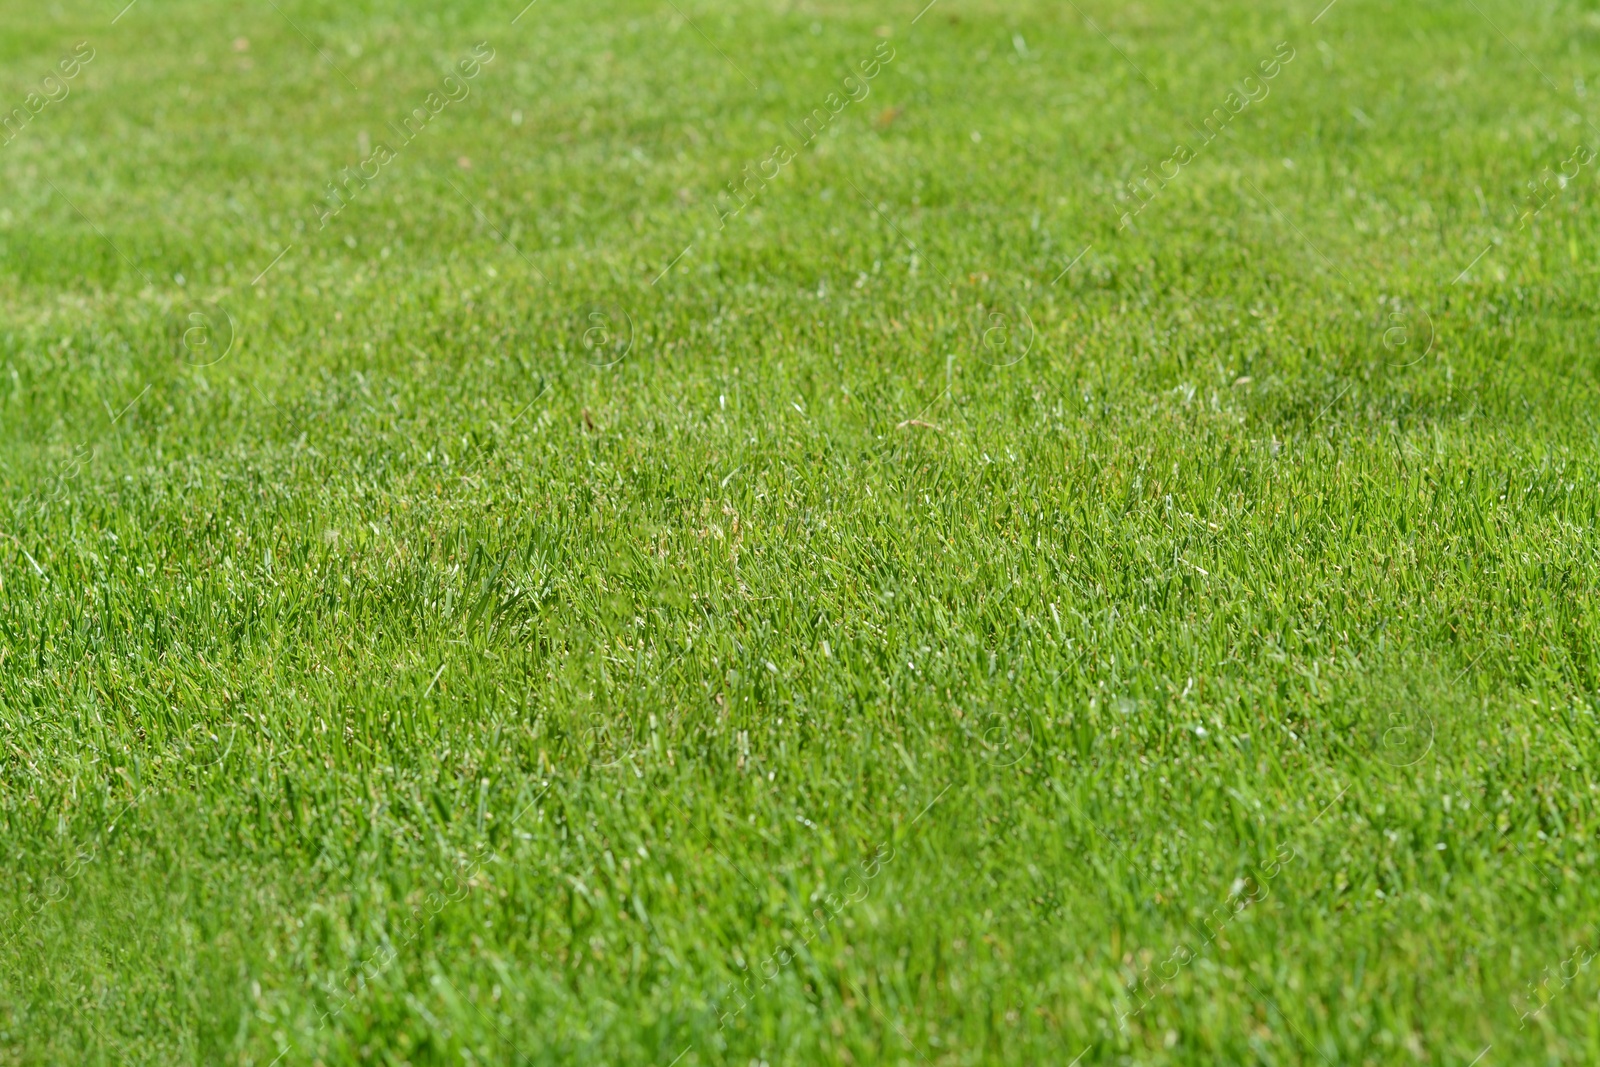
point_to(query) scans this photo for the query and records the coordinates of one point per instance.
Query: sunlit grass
(560, 612)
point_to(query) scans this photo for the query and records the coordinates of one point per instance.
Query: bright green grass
(1216, 683)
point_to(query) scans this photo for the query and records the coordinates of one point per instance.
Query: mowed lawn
(728, 532)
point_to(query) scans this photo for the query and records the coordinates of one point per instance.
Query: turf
(747, 540)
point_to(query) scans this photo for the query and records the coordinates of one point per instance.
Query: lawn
(725, 532)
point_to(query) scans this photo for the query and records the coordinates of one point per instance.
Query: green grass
(1204, 668)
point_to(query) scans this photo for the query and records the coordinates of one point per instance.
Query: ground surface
(963, 611)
